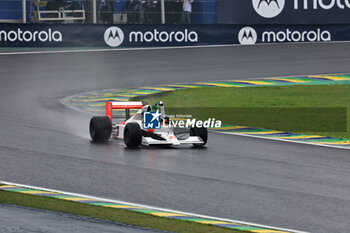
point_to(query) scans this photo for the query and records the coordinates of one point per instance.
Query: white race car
(132, 129)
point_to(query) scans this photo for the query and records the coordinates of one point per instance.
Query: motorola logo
(247, 36)
(30, 36)
(268, 8)
(114, 36)
(290, 35)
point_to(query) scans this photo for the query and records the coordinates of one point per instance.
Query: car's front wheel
(200, 132)
(132, 135)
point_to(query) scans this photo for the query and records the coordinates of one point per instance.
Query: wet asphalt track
(43, 143)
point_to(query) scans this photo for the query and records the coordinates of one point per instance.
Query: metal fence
(108, 11)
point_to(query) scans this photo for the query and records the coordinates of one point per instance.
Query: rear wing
(121, 105)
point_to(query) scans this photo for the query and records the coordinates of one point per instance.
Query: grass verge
(116, 215)
(322, 110)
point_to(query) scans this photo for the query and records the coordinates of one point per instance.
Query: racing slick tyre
(200, 132)
(100, 128)
(132, 135)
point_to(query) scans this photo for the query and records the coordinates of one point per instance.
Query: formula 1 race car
(136, 132)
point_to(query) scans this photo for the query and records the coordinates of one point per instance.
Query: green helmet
(157, 106)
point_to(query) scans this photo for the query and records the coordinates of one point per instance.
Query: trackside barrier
(132, 36)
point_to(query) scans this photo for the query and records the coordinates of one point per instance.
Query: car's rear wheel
(132, 135)
(200, 132)
(100, 128)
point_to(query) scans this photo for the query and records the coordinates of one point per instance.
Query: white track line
(157, 48)
(112, 50)
(154, 208)
(283, 140)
